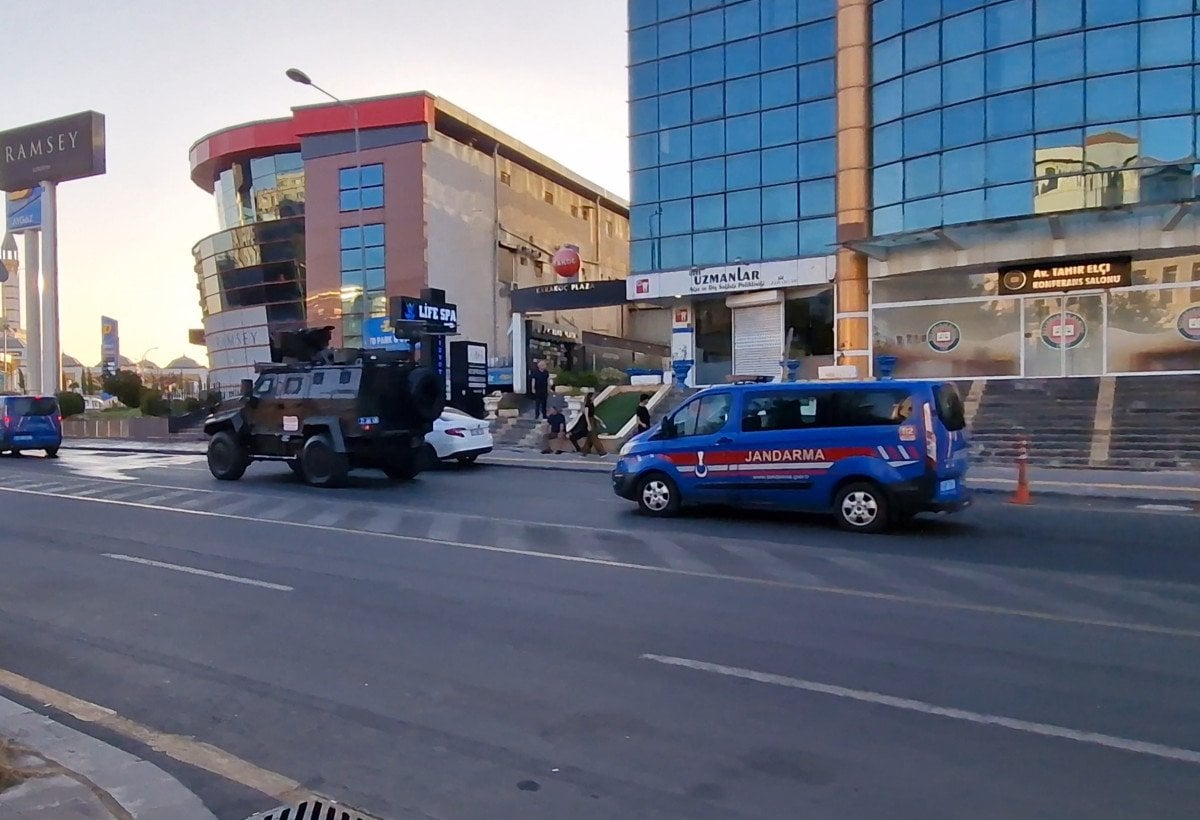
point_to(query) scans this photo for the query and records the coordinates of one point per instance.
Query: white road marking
(237, 579)
(1141, 747)
(982, 609)
(1165, 507)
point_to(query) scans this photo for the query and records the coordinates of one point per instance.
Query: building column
(853, 181)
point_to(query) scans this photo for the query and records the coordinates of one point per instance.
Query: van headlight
(626, 448)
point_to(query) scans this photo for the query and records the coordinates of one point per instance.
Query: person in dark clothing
(555, 438)
(593, 426)
(541, 389)
(643, 413)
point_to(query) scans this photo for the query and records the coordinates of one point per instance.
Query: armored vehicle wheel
(227, 457)
(321, 464)
(404, 469)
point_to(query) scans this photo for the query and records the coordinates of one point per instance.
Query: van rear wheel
(51, 452)
(861, 507)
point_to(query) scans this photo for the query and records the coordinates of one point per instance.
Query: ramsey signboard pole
(51, 357)
(33, 315)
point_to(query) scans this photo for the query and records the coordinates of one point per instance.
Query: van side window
(704, 416)
(783, 410)
(864, 408)
(318, 378)
(264, 387)
(292, 385)
(344, 377)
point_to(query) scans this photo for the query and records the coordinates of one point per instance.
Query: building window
(363, 277)
(360, 188)
(506, 178)
(548, 197)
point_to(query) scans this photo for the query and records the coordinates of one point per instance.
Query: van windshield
(25, 406)
(950, 407)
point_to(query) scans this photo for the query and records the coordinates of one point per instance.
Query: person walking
(540, 379)
(643, 414)
(593, 424)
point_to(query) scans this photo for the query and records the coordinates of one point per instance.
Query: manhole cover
(314, 808)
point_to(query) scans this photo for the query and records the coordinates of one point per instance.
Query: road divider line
(982, 609)
(1140, 747)
(220, 576)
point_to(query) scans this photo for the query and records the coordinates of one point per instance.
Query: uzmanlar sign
(52, 151)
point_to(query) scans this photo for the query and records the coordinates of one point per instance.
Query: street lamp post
(298, 76)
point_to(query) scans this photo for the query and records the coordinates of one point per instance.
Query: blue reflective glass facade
(990, 109)
(732, 124)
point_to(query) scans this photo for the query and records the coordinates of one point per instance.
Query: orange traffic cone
(1021, 495)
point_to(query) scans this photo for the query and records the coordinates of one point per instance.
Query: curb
(140, 788)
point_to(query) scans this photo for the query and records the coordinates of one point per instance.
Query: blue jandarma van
(30, 423)
(872, 453)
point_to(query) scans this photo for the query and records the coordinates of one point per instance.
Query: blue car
(31, 423)
(871, 453)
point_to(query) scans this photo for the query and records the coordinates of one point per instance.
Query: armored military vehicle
(325, 412)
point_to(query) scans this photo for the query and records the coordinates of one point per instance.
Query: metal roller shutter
(757, 340)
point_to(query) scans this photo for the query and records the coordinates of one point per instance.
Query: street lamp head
(298, 76)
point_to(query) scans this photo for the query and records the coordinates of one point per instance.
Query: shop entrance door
(1065, 335)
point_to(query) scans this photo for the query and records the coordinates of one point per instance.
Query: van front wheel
(51, 452)
(861, 507)
(657, 495)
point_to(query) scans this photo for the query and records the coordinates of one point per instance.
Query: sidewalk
(1147, 487)
(67, 774)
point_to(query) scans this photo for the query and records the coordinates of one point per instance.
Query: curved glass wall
(986, 110)
(732, 123)
(259, 264)
(260, 190)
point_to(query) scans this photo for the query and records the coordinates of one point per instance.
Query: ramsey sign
(52, 151)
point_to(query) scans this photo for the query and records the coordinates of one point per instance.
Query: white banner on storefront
(789, 273)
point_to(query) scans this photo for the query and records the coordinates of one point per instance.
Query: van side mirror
(247, 388)
(668, 428)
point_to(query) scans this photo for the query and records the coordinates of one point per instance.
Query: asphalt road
(512, 643)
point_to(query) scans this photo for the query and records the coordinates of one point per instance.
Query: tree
(152, 403)
(89, 383)
(126, 386)
(71, 404)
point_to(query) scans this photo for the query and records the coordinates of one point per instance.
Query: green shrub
(153, 404)
(70, 403)
(191, 404)
(611, 375)
(126, 386)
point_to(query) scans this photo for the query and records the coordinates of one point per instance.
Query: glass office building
(1009, 146)
(734, 160)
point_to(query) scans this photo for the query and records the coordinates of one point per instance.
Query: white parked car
(459, 437)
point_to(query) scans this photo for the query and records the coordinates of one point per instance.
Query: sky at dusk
(165, 73)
